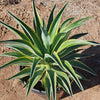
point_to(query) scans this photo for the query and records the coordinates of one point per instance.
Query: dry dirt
(13, 89)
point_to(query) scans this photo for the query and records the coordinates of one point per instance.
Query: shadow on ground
(94, 63)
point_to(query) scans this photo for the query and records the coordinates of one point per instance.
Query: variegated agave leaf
(49, 51)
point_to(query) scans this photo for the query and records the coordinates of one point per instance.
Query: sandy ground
(13, 89)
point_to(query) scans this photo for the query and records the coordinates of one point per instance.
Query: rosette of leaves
(50, 52)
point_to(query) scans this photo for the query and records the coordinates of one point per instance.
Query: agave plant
(51, 54)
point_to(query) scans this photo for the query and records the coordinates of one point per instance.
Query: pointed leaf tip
(33, 2)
